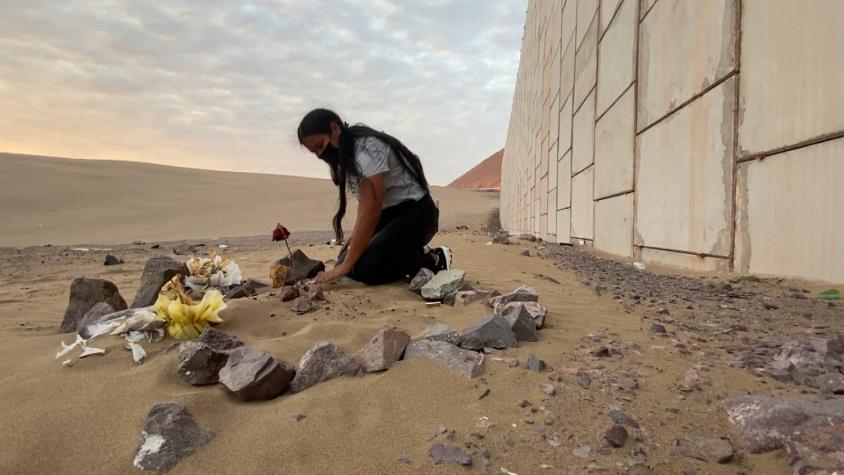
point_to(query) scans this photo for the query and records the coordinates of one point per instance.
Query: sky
(223, 85)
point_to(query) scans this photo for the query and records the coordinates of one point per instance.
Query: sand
(46, 200)
(87, 418)
(485, 175)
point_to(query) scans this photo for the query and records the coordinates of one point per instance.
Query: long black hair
(318, 121)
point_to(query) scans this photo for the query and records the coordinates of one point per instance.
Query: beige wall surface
(702, 135)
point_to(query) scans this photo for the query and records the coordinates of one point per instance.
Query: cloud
(223, 85)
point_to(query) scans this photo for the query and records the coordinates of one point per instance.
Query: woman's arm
(369, 212)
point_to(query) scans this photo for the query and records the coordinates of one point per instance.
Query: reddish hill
(485, 175)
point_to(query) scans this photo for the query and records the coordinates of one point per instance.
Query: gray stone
(384, 349)
(252, 375)
(616, 435)
(707, 449)
(523, 327)
(444, 283)
(218, 340)
(493, 331)
(185, 249)
(534, 310)
(199, 364)
(170, 434)
(467, 297)
(288, 293)
(302, 305)
(465, 362)
(441, 332)
(420, 279)
(323, 361)
(525, 252)
(522, 294)
(302, 266)
(535, 364)
(657, 328)
(247, 288)
(315, 292)
(112, 260)
(548, 389)
(84, 294)
(157, 272)
(621, 418)
(99, 310)
(449, 454)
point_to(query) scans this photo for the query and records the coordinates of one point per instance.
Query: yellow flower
(184, 321)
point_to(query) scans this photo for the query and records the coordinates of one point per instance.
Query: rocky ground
(633, 371)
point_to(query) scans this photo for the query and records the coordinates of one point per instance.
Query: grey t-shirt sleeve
(372, 157)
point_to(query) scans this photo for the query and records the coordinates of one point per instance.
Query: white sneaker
(446, 256)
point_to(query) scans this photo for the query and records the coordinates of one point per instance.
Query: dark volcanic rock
(157, 272)
(170, 434)
(441, 332)
(288, 293)
(199, 364)
(449, 454)
(323, 361)
(535, 364)
(493, 332)
(465, 362)
(657, 328)
(302, 305)
(420, 279)
(616, 435)
(84, 294)
(384, 349)
(251, 375)
(218, 340)
(621, 418)
(99, 310)
(523, 327)
(112, 260)
(302, 266)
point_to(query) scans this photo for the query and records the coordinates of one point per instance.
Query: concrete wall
(707, 135)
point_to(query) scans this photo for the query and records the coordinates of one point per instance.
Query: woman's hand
(332, 275)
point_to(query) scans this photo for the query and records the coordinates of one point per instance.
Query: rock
(582, 451)
(707, 449)
(548, 389)
(584, 380)
(621, 418)
(288, 293)
(248, 288)
(522, 294)
(534, 310)
(316, 293)
(84, 294)
(493, 331)
(170, 434)
(797, 354)
(199, 364)
(535, 364)
(657, 328)
(832, 383)
(467, 297)
(218, 340)
(302, 305)
(523, 327)
(616, 435)
(627, 383)
(467, 363)
(441, 332)
(442, 284)
(323, 361)
(157, 272)
(449, 454)
(112, 260)
(302, 267)
(420, 279)
(184, 250)
(547, 417)
(384, 349)
(501, 237)
(525, 252)
(99, 310)
(254, 375)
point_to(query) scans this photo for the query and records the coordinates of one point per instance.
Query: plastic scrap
(212, 271)
(90, 350)
(138, 353)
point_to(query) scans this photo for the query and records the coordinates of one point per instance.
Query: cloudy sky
(223, 85)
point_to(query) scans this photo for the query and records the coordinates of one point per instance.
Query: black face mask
(330, 153)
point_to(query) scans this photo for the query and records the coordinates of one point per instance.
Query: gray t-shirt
(374, 156)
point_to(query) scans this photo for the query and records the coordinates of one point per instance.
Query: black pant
(395, 250)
